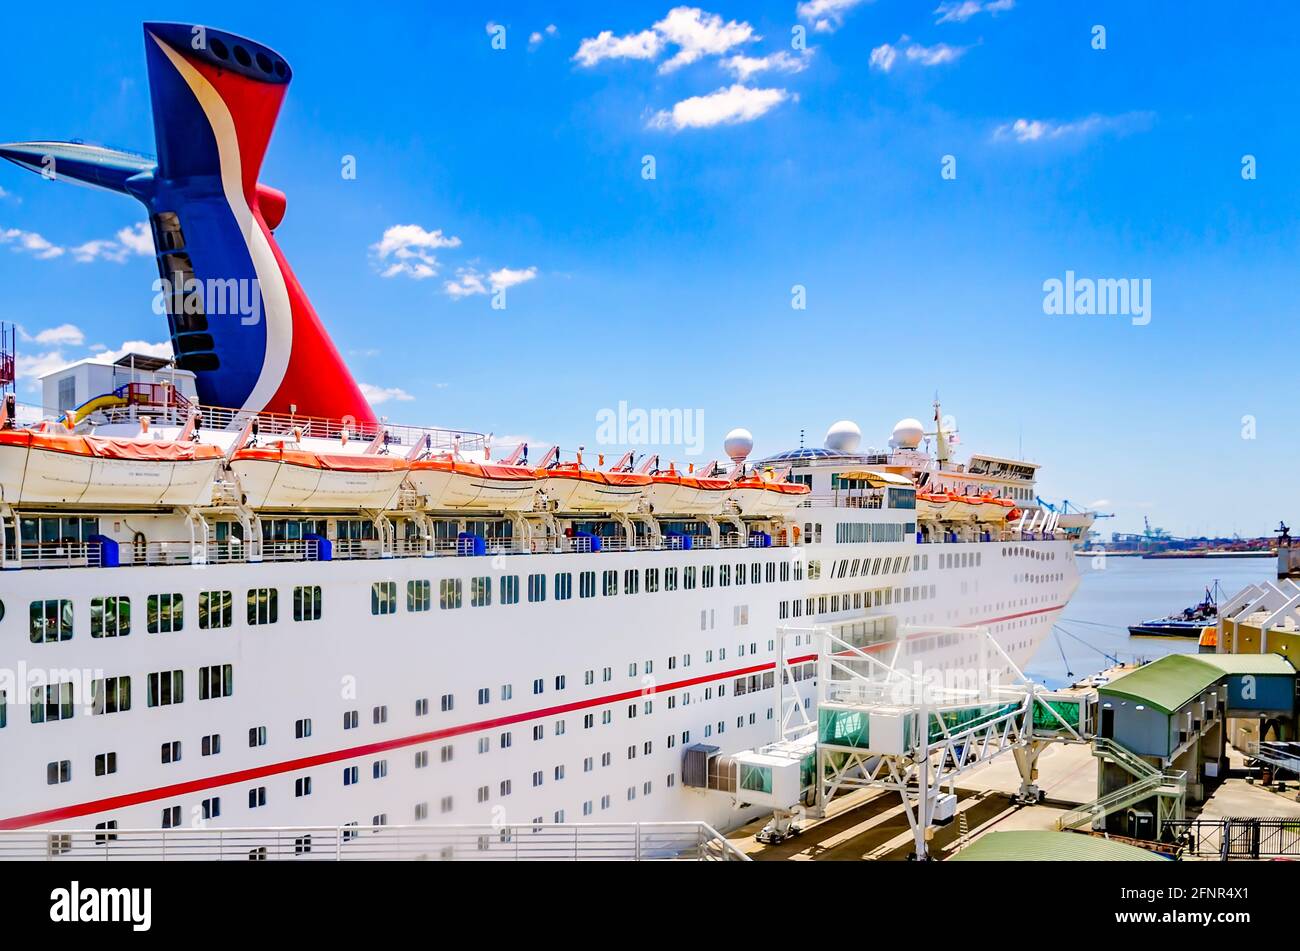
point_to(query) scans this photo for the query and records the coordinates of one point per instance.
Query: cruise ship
(233, 597)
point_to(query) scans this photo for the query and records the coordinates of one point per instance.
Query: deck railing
(516, 842)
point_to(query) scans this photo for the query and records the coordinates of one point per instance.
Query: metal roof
(1169, 682)
(1036, 846)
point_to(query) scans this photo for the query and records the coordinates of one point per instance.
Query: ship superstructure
(268, 615)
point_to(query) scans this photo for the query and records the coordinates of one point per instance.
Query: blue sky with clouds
(776, 163)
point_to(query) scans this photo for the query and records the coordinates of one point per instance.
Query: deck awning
(878, 480)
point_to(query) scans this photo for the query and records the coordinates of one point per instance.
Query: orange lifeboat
(759, 497)
(677, 493)
(55, 468)
(448, 482)
(280, 477)
(575, 489)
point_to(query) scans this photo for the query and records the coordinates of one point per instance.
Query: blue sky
(774, 167)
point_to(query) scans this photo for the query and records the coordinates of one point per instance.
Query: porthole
(242, 57)
(219, 48)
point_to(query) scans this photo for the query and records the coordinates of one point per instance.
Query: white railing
(629, 841)
(54, 555)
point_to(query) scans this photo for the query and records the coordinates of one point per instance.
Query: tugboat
(1190, 623)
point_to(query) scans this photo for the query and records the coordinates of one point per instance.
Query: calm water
(1126, 591)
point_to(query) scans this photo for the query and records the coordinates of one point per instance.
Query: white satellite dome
(738, 444)
(844, 436)
(908, 433)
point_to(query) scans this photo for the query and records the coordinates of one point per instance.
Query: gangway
(1168, 789)
(915, 732)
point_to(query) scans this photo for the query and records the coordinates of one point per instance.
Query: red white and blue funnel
(238, 317)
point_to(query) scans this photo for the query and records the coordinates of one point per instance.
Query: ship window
(449, 593)
(480, 591)
(419, 595)
(379, 714)
(724, 576)
(587, 584)
(111, 695)
(263, 605)
(537, 587)
(212, 807)
(630, 581)
(256, 797)
(256, 736)
(670, 579)
(609, 583)
(302, 728)
(563, 586)
(215, 609)
(651, 580)
(211, 744)
(170, 752)
(105, 764)
(706, 576)
(165, 613)
(51, 702)
(51, 621)
(302, 786)
(171, 817)
(58, 772)
(383, 597)
(509, 589)
(110, 617)
(216, 681)
(165, 688)
(306, 603)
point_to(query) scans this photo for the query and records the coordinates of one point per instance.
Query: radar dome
(844, 436)
(738, 444)
(908, 433)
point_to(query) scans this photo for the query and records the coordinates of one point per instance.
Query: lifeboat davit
(278, 477)
(759, 497)
(575, 489)
(676, 493)
(449, 482)
(55, 468)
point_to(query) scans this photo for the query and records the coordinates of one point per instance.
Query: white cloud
(698, 34)
(1098, 504)
(959, 11)
(826, 16)
(885, 56)
(1047, 130)
(29, 242)
(128, 241)
(509, 277)
(468, 281)
(382, 394)
(605, 45)
(536, 37)
(694, 32)
(163, 350)
(746, 66)
(33, 366)
(726, 106)
(408, 249)
(137, 239)
(64, 334)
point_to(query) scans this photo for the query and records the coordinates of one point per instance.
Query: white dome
(908, 433)
(844, 436)
(738, 444)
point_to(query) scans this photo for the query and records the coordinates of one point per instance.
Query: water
(1125, 591)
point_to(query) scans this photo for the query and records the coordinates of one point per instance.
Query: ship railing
(286, 424)
(54, 555)
(515, 842)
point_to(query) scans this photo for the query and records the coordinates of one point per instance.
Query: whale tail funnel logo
(238, 317)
